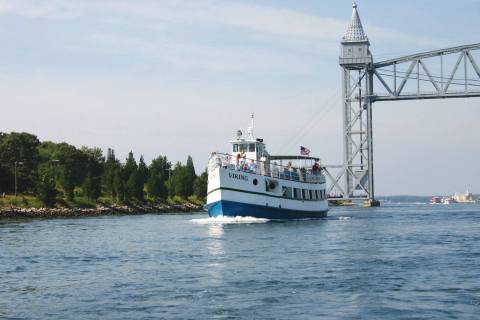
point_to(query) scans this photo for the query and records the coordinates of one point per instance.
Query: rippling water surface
(399, 261)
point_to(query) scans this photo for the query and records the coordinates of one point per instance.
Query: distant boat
(435, 200)
(463, 198)
(449, 200)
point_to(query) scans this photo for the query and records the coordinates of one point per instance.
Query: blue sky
(180, 77)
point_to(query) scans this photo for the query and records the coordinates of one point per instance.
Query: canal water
(399, 261)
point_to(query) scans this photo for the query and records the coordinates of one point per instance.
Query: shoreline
(100, 210)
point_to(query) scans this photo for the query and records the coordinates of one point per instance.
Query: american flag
(304, 151)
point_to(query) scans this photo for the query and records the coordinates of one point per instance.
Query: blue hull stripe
(233, 209)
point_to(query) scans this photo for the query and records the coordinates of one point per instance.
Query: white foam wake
(229, 220)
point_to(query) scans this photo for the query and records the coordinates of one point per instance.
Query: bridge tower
(413, 77)
(357, 89)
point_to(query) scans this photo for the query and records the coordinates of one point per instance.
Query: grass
(22, 201)
(29, 201)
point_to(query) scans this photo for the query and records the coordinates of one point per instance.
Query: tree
(73, 165)
(141, 177)
(3, 171)
(95, 166)
(135, 185)
(118, 183)
(200, 185)
(129, 176)
(46, 191)
(19, 147)
(143, 169)
(191, 176)
(108, 178)
(157, 178)
(178, 184)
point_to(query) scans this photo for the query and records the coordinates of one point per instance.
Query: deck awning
(299, 157)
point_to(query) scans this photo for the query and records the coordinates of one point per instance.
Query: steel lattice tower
(405, 78)
(356, 61)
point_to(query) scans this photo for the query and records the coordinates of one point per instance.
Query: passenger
(316, 169)
(226, 160)
(262, 164)
(290, 170)
(252, 167)
(289, 166)
(237, 161)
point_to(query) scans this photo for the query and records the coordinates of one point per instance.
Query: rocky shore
(158, 208)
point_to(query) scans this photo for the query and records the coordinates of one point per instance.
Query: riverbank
(100, 210)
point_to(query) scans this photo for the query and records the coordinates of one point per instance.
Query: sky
(179, 77)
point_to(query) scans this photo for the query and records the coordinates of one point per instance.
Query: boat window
(287, 192)
(303, 193)
(310, 193)
(295, 193)
(243, 147)
(235, 147)
(316, 194)
(298, 194)
(251, 147)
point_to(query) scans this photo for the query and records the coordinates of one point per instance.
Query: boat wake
(229, 220)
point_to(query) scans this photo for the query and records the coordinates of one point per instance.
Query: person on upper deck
(316, 168)
(226, 160)
(243, 160)
(237, 161)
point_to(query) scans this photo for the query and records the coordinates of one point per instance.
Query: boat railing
(266, 168)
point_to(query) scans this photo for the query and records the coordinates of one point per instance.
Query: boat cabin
(253, 148)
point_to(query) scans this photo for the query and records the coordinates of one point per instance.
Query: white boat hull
(239, 193)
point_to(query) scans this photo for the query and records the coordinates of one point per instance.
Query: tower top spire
(355, 31)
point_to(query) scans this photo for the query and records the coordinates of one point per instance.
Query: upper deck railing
(266, 168)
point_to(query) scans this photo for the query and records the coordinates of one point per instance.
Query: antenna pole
(252, 122)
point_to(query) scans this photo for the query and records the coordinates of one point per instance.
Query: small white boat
(449, 200)
(463, 198)
(248, 181)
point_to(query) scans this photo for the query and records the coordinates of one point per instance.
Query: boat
(435, 200)
(449, 200)
(463, 198)
(249, 182)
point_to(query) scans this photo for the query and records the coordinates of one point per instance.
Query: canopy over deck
(296, 157)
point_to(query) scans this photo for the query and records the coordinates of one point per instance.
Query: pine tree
(109, 174)
(179, 182)
(118, 182)
(200, 185)
(129, 176)
(158, 174)
(190, 176)
(141, 179)
(95, 166)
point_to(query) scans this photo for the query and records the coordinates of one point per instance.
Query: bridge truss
(439, 74)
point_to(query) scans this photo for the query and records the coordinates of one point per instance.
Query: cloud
(55, 9)
(255, 18)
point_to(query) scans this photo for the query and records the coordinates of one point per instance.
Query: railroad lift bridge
(439, 74)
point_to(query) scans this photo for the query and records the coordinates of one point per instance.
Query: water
(400, 261)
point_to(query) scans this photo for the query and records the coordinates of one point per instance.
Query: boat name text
(238, 176)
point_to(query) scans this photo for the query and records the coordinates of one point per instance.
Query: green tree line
(51, 171)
